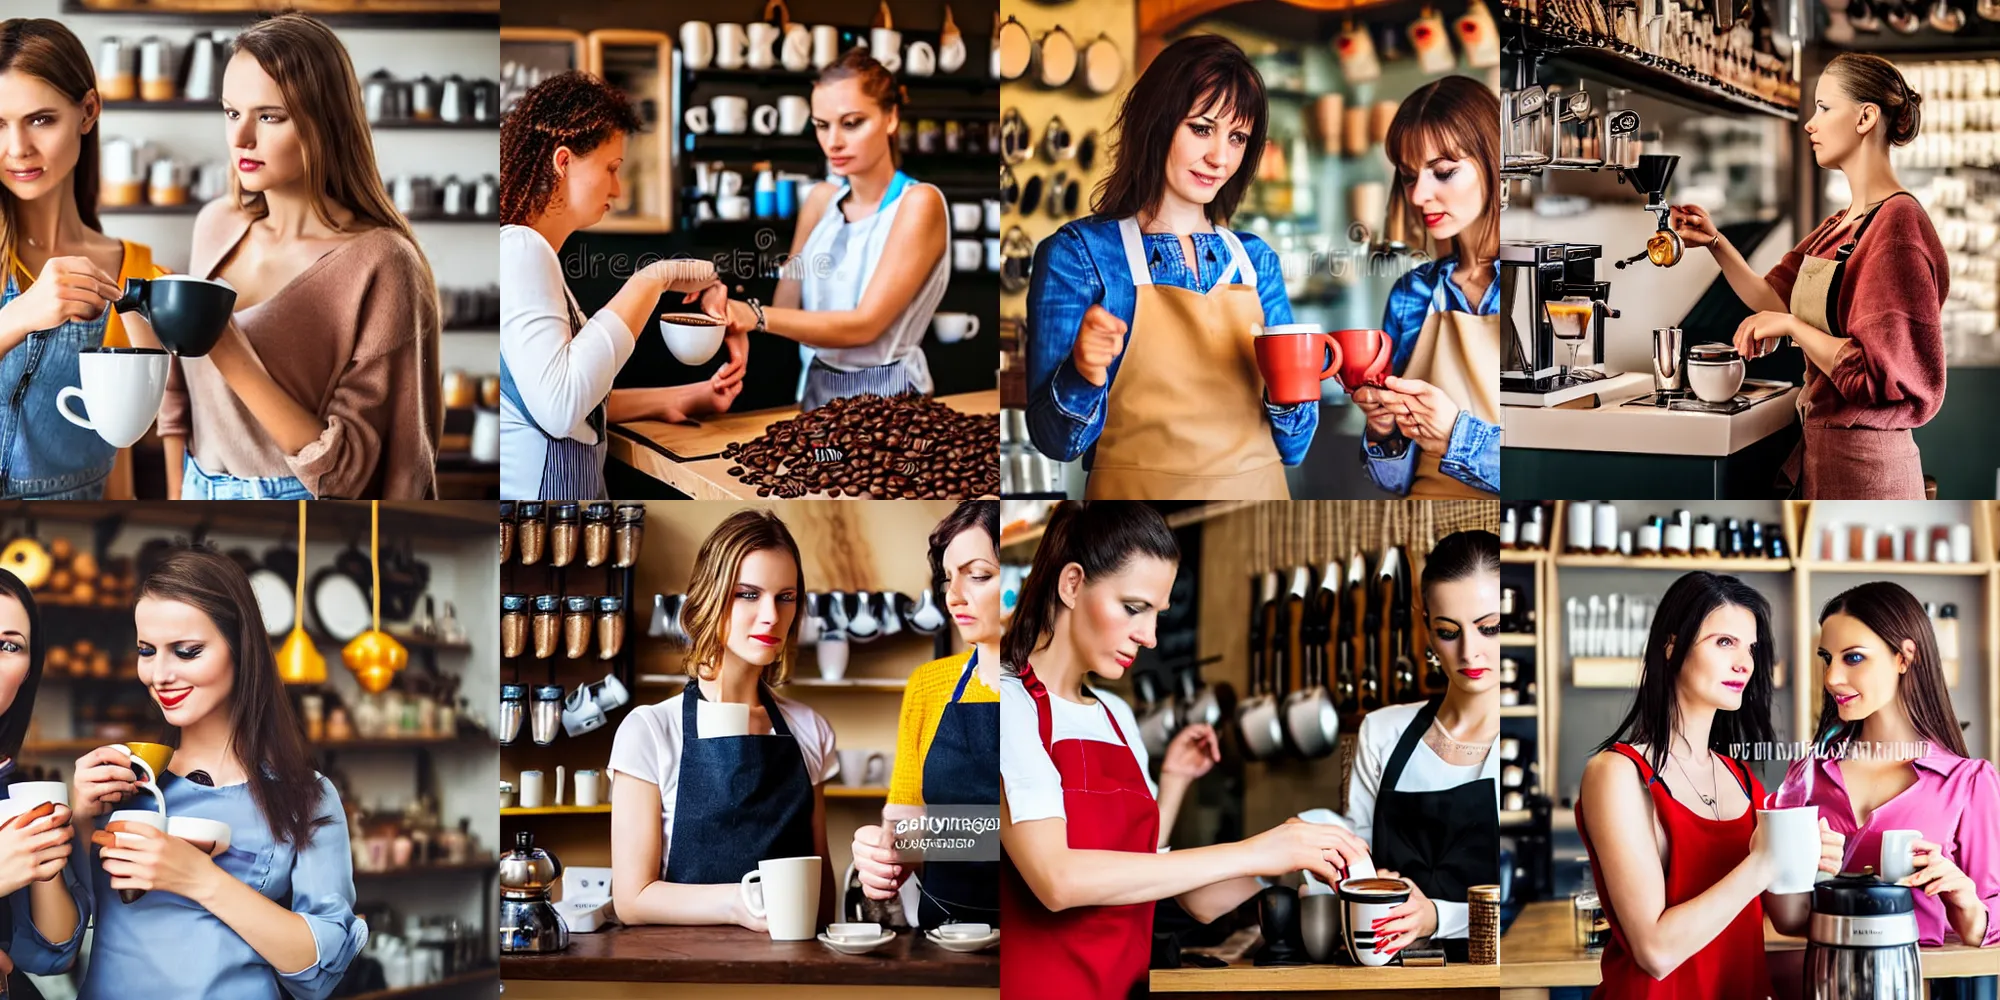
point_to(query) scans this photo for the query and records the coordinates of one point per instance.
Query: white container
(1582, 518)
(1961, 543)
(1605, 534)
(1715, 381)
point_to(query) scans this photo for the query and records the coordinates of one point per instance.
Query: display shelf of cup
(177, 104)
(1878, 568)
(1518, 712)
(1516, 817)
(602, 808)
(1632, 67)
(487, 865)
(1717, 564)
(1604, 671)
(1517, 639)
(190, 208)
(463, 15)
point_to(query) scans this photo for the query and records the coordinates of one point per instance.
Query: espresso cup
(785, 892)
(966, 255)
(696, 119)
(854, 932)
(1293, 358)
(886, 45)
(1898, 858)
(951, 328)
(1365, 356)
(721, 718)
(1364, 901)
(1794, 846)
(692, 337)
(122, 389)
(211, 836)
(764, 120)
(733, 207)
(188, 314)
(966, 216)
(149, 760)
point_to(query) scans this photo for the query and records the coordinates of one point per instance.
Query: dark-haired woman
(560, 150)
(868, 264)
(1141, 317)
(48, 902)
(1676, 850)
(1869, 327)
(1884, 688)
(1079, 819)
(272, 914)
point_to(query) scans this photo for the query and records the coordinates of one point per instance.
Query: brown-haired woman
(326, 382)
(867, 267)
(272, 907)
(698, 798)
(1434, 426)
(1183, 416)
(61, 270)
(560, 150)
(1874, 371)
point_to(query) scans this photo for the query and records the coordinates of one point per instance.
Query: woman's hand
(1193, 751)
(1832, 848)
(714, 300)
(1415, 918)
(1099, 342)
(1755, 336)
(1381, 420)
(1324, 849)
(742, 319)
(1692, 224)
(137, 856)
(35, 851)
(104, 777)
(875, 862)
(1427, 413)
(678, 274)
(1939, 876)
(69, 288)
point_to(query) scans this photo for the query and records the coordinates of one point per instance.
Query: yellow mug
(150, 760)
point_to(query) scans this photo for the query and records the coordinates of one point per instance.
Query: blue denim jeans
(199, 485)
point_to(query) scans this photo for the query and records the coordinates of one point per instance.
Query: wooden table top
(688, 456)
(726, 954)
(1243, 977)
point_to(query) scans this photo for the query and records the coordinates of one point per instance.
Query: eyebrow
(261, 107)
(1454, 621)
(12, 632)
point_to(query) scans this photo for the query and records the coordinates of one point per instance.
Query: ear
(1670, 649)
(1069, 585)
(1870, 114)
(560, 160)
(93, 105)
(1906, 656)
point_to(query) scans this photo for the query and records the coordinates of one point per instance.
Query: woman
(868, 255)
(62, 272)
(272, 915)
(47, 903)
(1869, 327)
(1884, 686)
(692, 812)
(560, 151)
(1183, 417)
(1678, 856)
(1425, 792)
(1434, 427)
(325, 383)
(1079, 818)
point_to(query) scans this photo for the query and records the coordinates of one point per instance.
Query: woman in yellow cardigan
(948, 740)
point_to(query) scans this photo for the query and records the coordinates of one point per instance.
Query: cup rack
(1617, 61)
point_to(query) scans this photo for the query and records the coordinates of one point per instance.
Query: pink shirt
(1955, 802)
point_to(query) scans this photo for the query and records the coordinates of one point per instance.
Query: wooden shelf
(1523, 556)
(434, 125)
(1178, 519)
(1617, 62)
(1682, 564)
(1515, 817)
(79, 746)
(487, 866)
(1517, 712)
(1873, 568)
(1517, 640)
(458, 15)
(328, 520)
(850, 792)
(597, 810)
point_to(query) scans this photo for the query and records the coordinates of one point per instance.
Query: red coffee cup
(1293, 358)
(1367, 353)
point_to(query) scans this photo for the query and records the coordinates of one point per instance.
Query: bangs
(1411, 144)
(1225, 92)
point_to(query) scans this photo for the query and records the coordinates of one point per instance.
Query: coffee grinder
(1651, 177)
(1533, 274)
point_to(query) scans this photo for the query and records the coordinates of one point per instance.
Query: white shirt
(563, 374)
(1034, 786)
(843, 258)
(648, 747)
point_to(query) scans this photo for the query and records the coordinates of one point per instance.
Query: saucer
(964, 944)
(856, 947)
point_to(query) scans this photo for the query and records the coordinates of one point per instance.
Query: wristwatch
(758, 308)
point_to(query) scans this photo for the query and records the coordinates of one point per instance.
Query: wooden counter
(688, 456)
(664, 961)
(1351, 982)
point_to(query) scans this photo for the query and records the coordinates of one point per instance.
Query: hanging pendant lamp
(299, 659)
(375, 655)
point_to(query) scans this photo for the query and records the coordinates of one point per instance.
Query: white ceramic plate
(852, 947)
(341, 606)
(274, 601)
(964, 944)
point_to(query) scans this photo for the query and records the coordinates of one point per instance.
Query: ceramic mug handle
(755, 904)
(152, 780)
(1330, 349)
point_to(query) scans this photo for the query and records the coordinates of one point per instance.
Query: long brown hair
(1459, 117)
(48, 51)
(876, 82)
(1100, 536)
(573, 110)
(264, 731)
(1197, 73)
(1894, 615)
(716, 567)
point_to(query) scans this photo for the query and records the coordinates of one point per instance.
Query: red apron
(1087, 952)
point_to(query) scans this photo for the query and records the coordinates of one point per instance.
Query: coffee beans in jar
(596, 534)
(547, 625)
(531, 532)
(576, 627)
(908, 447)
(506, 530)
(513, 624)
(628, 532)
(562, 533)
(610, 626)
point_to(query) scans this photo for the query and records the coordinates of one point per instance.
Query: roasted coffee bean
(907, 446)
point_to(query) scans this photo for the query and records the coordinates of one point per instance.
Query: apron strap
(1135, 252)
(1847, 249)
(1040, 693)
(959, 692)
(1245, 273)
(1407, 745)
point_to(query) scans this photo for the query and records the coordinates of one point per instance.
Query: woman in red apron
(1860, 296)
(1081, 866)
(1679, 859)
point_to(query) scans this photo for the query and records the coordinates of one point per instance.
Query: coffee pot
(1861, 943)
(202, 70)
(529, 923)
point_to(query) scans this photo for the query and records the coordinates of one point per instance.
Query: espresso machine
(1862, 941)
(1534, 273)
(529, 923)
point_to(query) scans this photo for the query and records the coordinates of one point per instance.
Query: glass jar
(562, 534)
(530, 532)
(629, 531)
(596, 534)
(576, 627)
(610, 626)
(548, 625)
(513, 625)
(506, 530)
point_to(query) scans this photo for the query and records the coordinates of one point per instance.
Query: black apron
(1445, 841)
(741, 800)
(962, 769)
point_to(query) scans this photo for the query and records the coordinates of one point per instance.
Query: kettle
(454, 100)
(117, 69)
(485, 103)
(529, 923)
(202, 70)
(1862, 941)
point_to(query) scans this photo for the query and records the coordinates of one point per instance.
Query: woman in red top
(1680, 862)
(1859, 295)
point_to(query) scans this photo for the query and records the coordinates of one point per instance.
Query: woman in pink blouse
(1905, 766)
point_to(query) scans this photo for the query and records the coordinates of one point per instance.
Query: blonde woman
(326, 382)
(690, 812)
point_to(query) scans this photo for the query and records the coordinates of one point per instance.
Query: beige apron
(1458, 352)
(1843, 463)
(1185, 418)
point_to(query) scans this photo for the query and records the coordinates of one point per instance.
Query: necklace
(1707, 800)
(1446, 745)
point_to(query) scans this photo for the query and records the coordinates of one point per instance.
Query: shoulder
(1974, 772)
(942, 670)
(1422, 277)
(654, 718)
(1260, 252)
(1388, 723)
(927, 197)
(800, 714)
(820, 195)
(384, 246)
(220, 219)
(1077, 243)
(1116, 704)
(1607, 766)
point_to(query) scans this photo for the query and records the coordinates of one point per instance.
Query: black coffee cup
(188, 314)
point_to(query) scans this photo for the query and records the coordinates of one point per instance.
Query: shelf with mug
(855, 792)
(1518, 712)
(892, 685)
(1880, 568)
(1517, 639)
(456, 15)
(1516, 817)
(1522, 557)
(1616, 62)
(189, 209)
(780, 77)
(1714, 564)
(599, 809)
(434, 124)
(485, 866)
(177, 104)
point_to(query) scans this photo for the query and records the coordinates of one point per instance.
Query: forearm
(846, 328)
(1970, 922)
(1673, 937)
(1745, 281)
(290, 425)
(1822, 349)
(635, 302)
(662, 902)
(1070, 878)
(278, 936)
(639, 404)
(53, 909)
(175, 450)
(1211, 901)
(1173, 788)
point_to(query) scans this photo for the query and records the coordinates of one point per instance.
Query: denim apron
(42, 455)
(894, 362)
(742, 799)
(571, 470)
(961, 769)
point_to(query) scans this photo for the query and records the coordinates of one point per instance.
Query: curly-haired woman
(560, 150)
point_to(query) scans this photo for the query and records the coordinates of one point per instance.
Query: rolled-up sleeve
(1472, 455)
(1894, 356)
(323, 893)
(31, 951)
(1065, 411)
(372, 394)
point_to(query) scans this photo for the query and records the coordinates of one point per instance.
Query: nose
(1147, 636)
(18, 146)
(243, 133)
(954, 593)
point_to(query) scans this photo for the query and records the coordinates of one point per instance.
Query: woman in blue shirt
(1434, 428)
(1173, 409)
(273, 914)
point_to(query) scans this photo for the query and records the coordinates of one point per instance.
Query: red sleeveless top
(1700, 851)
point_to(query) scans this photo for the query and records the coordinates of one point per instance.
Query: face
(762, 606)
(1862, 672)
(853, 130)
(1717, 669)
(1465, 630)
(265, 148)
(183, 660)
(1115, 614)
(41, 134)
(14, 640)
(1207, 150)
(972, 586)
(1448, 192)
(589, 182)
(1839, 123)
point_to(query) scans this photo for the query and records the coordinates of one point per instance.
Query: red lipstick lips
(172, 700)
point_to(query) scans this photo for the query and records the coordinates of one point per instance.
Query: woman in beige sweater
(326, 384)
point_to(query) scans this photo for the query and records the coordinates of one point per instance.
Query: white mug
(966, 217)
(786, 895)
(696, 119)
(764, 120)
(825, 45)
(730, 46)
(122, 387)
(763, 39)
(34, 793)
(213, 832)
(831, 651)
(993, 259)
(863, 768)
(735, 208)
(886, 45)
(721, 718)
(951, 328)
(1794, 846)
(728, 182)
(967, 254)
(794, 114)
(587, 790)
(992, 210)
(795, 51)
(697, 44)
(531, 789)
(147, 817)
(732, 113)
(486, 435)
(1898, 860)
(923, 61)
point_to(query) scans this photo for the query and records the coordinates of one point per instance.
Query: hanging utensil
(1257, 718)
(299, 658)
(1311, 721)
(375, 656)
(1353, 605)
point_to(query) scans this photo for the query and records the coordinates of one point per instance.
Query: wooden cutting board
(695, 440)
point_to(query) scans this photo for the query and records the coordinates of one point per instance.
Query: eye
(1445, 175)
(1239, 138)
(1854, 659)
(981, 577)
(746, 595)
(189, 652)
(1489, 631)
(1201, 130)
(788, 598)
(145, 650)
(1725, 642)
(42, 120)
(1449, 634)
(1135, 609)
(10, 646)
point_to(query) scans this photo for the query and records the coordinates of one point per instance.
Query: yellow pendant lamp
(375, 655)
(299, 659)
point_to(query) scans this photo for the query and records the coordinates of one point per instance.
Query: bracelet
(758, 308)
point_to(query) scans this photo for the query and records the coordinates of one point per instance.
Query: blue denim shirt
(1083, 264)
(42, 455)
(1473, 453)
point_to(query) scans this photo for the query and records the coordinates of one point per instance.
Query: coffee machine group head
(1533, 275)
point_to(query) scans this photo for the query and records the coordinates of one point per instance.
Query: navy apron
(962, 769)
(571, 470)
(741, 800)
(1445, 841)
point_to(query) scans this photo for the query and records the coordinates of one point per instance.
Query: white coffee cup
(692, 343)
(34, 793)
(1898, 857)
(951, 328)
(785, 892)
(886, 45)
(122, 388)
(696, 119)
(697, 44)
(991, 207)
(731, 46)
(993, 255)
(198, 831)
(854, 932)
(145, 817)
(966, 255)
(764, 120)
(721, 718)
(1362, 909)
(530, 785)
(825, 45)
(728, 182)
(763, 39)
(794, 114)
(1794, 846)
(966, 216)
(732, 113)
(863, 768)
(795, 50)
(964, 932)
(923, 60)
(733, 207)
(588, 781)
(831, 652)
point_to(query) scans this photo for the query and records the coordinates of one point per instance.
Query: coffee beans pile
(906, 447)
